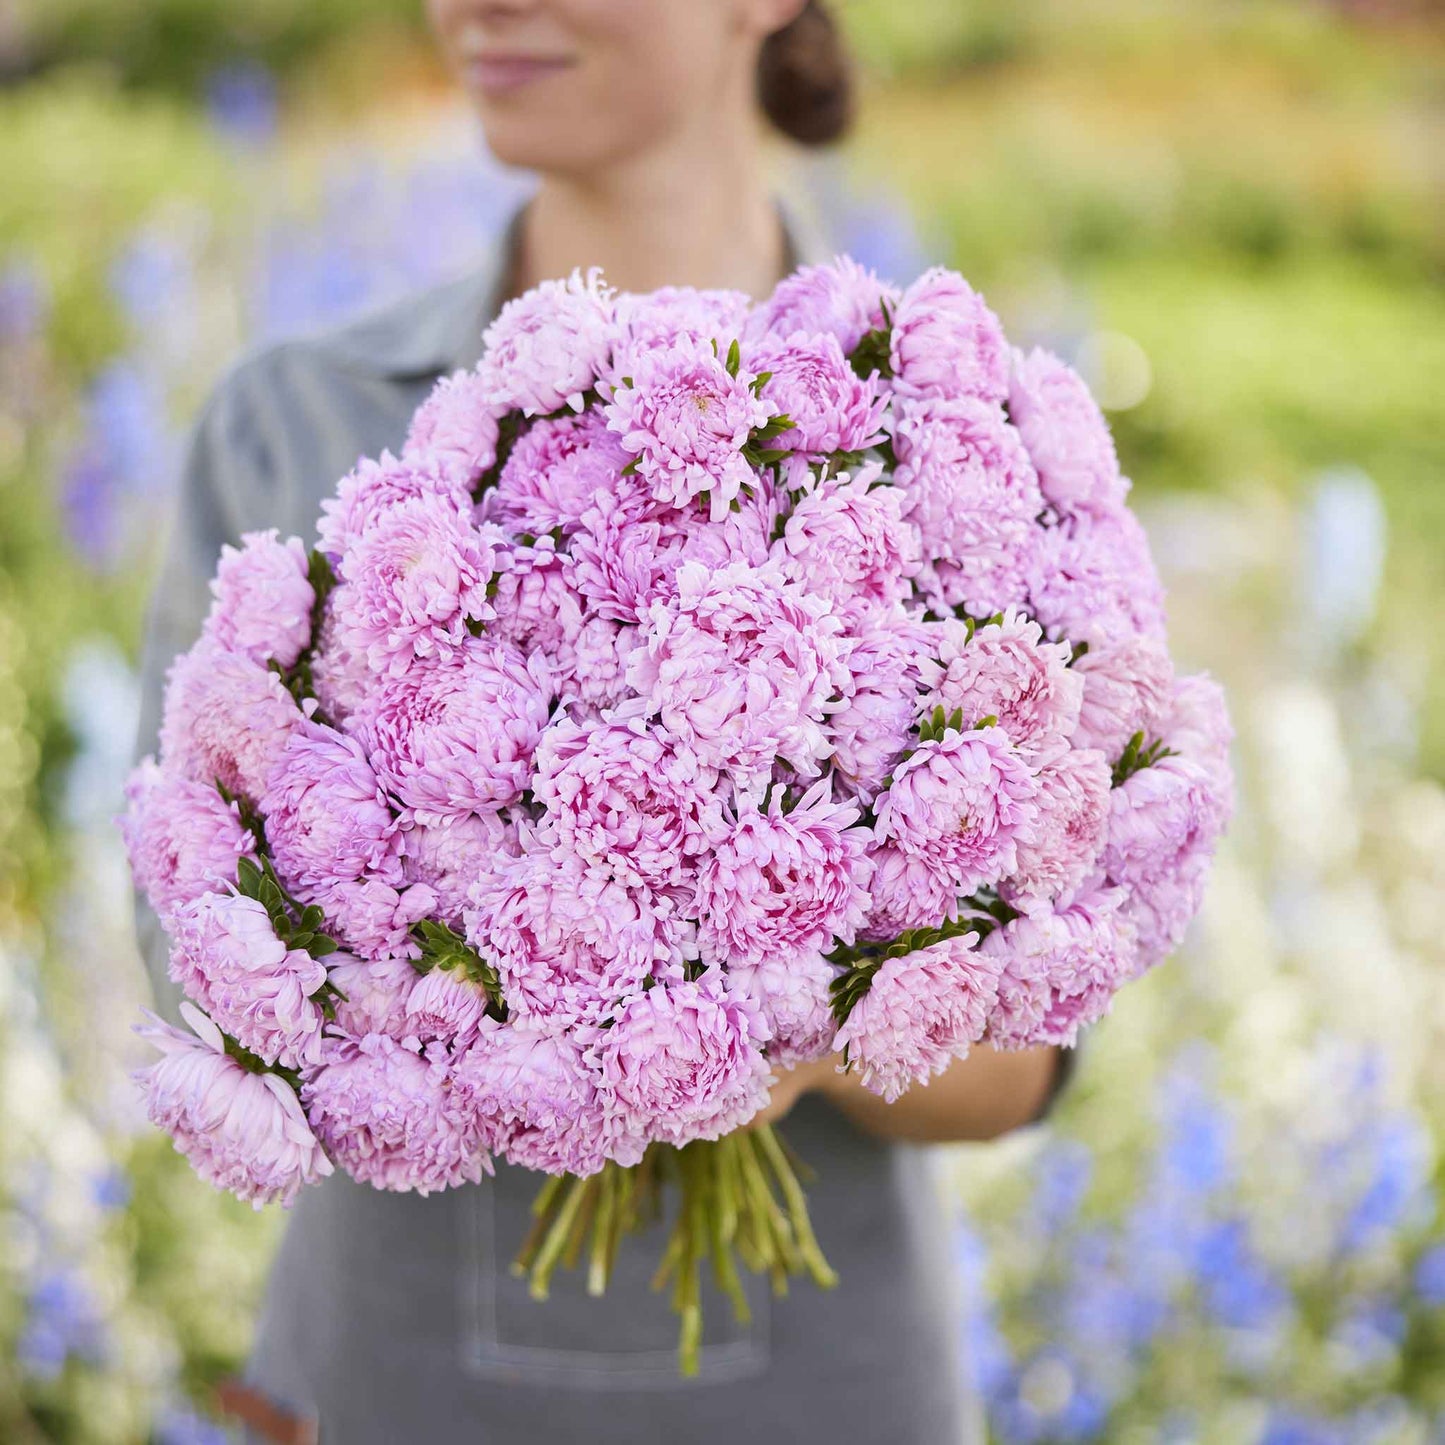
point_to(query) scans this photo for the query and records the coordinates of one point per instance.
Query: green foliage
(443, 947)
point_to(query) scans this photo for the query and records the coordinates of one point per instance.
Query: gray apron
(392, 1318)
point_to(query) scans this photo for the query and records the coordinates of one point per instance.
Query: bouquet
(705, 688)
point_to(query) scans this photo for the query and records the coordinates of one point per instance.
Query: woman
(393, 1318)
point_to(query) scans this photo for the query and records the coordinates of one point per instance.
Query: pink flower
(372, 994)
(922, 1010)
(241, 1131)
(793, 999)
(554, 473)
(831, 407)
(671, 314)
(380, 1108)
(1066, 435)
(547, 348)
(847, 540)
(1063, 850)
(1060, 970)
(1007, 671)
(620, 793)
(455, 734)
(906, 890)
(972, 493)
(1092, 579)
(227, 719)
(443, 1006)
(1196, 722)
(685, 419)
(961, 804)
(326, 814)
(684, 1061)
(842, 300)
(181, 838)
(946, 342)
(1162, 906)
(262, 606)
(415, 577)
(451, 855)
(373, 488)
(1160, 816)
(874, 727)
(455, 429)
(225, 955)
(783, 885)
(600, 660)
(744, 667)
(370, 916)
(1127, 684)
(568, 939)
(534, 1097)
(539, 613)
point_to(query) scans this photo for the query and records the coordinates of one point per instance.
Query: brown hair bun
(805, 78)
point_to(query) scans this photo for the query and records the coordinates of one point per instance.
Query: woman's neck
(681, 215)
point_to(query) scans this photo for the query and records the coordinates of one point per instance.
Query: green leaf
(735, 358)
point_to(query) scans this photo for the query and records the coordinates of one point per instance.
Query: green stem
(821, 1271)
(556, 1239)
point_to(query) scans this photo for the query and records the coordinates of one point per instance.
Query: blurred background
(1230, 216)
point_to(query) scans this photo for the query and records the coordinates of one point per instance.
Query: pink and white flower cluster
(702, 688)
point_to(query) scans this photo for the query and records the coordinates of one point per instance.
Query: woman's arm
(979, 1097)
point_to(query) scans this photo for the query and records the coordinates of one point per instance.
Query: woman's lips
(502, 74)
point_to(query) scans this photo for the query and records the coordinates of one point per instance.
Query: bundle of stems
(739, 1198)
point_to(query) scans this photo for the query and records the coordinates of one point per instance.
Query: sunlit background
(1229, 215)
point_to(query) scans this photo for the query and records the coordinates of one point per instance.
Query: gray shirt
(394, 1318)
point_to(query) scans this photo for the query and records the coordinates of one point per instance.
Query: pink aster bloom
(1060, 970)
(442, 1005)
(226, 956)
(783, 885)
(600, 659)
(534, 1097)
(326, 814)
(227, 719)
(972, 493)
(832, 408)
(1063, 850)
(181, 838)
(1127, 684)
(1196, 722)
(744, 667)
(874, 727)
(1066, 435)
(1007, 671)
(372, 917)
(539, 611)
(372, 994)
(1162, 905)
(1162, 815)
(623, 794)
(647, 321)
(379, 1108)
(794, 1002)
(547, 348)
(372, 488)
(922, 1010)
(554, 473)
(906, 890)
(946, 343)
(842, 299)
(684, 1061)
(568, 939)
(1093, 580)
(847, 540)
(455, 734)
(455, 428)
(262, 606)
(961, 803)
(415, 577)
(685, 420)
(451, 855)
(241, 1131)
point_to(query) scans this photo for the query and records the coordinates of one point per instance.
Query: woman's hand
(792, 1084)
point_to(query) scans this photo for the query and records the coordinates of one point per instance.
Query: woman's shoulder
(422, 334)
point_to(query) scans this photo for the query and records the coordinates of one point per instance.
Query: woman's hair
(805, 78)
